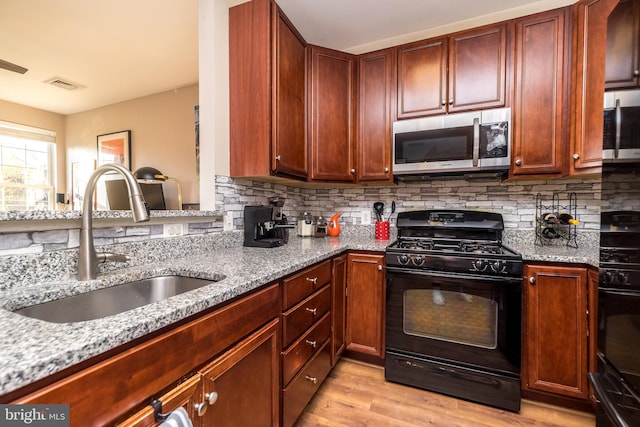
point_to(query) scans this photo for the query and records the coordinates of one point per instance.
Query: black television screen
(119, 196)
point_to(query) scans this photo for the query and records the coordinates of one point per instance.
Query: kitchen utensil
(333, 228)
(379, 208)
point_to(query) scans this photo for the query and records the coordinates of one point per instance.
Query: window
(27, 167)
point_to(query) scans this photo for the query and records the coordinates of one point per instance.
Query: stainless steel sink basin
(113, 300)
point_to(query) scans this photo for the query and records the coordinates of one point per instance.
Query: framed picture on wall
(115, 148)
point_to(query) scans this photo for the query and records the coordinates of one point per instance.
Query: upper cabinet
(376, 96)
(623, 36)
(464, 71)
(541, 93)
(267, 91)
(591, 20)
(332, 108)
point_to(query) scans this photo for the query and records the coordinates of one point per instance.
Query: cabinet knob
(636, 73)
(386, 170)
(353, 171)
(518, 162)
(451, 101)
(576, 156)
(278, 158)
(444, 102)
(313, 344)
(313, 280)
(532, 280)
(379, 267)
(210, 399)
(313, 311)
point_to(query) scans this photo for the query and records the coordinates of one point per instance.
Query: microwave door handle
(476, 141)
(618, 129)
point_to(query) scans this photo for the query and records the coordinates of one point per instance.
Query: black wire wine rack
(556, 222)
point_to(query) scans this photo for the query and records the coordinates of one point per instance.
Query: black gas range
(453, 241)
(454, 302)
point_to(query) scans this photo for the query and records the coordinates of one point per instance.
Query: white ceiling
(124, 49)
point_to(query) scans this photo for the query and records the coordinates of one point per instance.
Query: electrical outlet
(172, 230)
(365, 217)
(228, 221)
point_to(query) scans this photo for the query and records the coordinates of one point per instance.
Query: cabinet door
(541, 94)
(184, 395)
(590, 23)
(365, 304)
(623, 34)
(422, 78)
(477, 69)
(289, 144)
(338, 307)
(555, 330)
(246, 382)
(375, 100)
(332, 107)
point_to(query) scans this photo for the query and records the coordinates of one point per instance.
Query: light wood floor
(356, 394)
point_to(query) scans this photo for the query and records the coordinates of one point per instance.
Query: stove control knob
(621, 278)
(479, 265)
(418, 260)
(498, 266)
(607, 277)
(403, 259)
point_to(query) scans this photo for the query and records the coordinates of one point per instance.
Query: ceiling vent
(64, 84)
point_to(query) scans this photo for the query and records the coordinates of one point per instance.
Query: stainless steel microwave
(478, 141)
(621, 139)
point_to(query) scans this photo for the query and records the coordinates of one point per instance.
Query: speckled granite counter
(33, 349)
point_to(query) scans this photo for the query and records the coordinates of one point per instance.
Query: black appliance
(454, 302)
(617, 381)
(621, 141)
(462, 143)
(266, 226)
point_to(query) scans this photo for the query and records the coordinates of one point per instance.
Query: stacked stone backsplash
(515, 200)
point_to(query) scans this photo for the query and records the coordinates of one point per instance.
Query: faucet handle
(110, 257)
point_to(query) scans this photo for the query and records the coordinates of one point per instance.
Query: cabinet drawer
(302, 388)
(298, 287)
(306, 313)
(302, 349)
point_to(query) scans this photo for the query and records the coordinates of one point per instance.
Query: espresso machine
(266, 226)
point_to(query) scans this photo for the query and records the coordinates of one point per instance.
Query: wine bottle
(565, 218)
(550, 218)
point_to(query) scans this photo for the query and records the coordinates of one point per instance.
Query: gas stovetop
(453, 241)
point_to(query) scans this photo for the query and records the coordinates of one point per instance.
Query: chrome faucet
(88, 260)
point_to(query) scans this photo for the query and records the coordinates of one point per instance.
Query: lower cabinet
(366, 305)
(556, 337)
(242, 387)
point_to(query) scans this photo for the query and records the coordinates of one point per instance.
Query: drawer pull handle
(311, 379)
(313, 311)
(313, 280)
(313, 344)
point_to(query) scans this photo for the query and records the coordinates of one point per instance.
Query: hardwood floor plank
(356, 394)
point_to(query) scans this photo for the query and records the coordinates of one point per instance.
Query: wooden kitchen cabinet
(306, 337)
(556, 330)
(541, 93)
(267, 91)
(376, 97)
(464, 71)
(622, 46)
(245, 383)
(338, 307)
(123, 383)
(332, 108)
(591, 20)
(366, 305)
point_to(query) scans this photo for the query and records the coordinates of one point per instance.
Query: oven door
(471, 320)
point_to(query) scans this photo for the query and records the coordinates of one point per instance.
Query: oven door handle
(443, 274)
(602, 398)
(618, 129)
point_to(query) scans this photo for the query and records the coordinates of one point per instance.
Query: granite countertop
(35, 349)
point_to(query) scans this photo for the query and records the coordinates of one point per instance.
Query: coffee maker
(266, 226)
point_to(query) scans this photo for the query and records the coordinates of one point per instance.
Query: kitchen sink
(113, 300)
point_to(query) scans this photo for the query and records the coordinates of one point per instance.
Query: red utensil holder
(382, 230)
